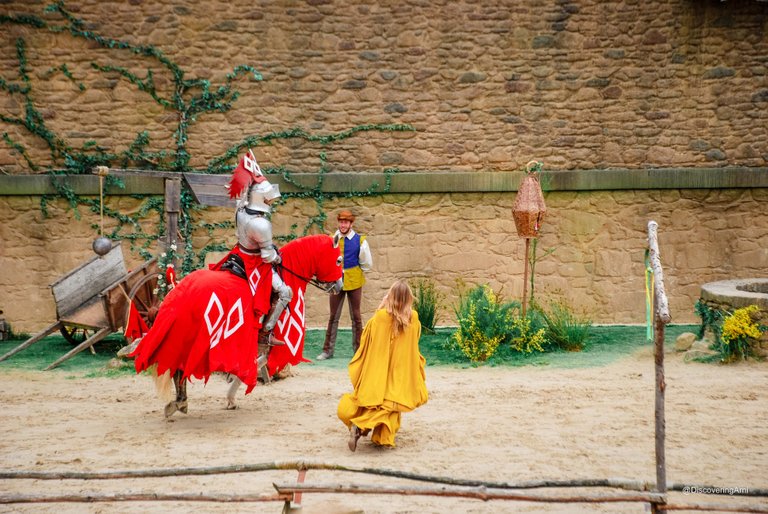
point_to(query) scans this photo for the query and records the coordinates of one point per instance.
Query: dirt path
(495, 424)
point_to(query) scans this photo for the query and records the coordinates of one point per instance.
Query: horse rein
(312, 281)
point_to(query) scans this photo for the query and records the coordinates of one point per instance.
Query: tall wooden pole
(525, 274)
(661, 385)
(661, 317)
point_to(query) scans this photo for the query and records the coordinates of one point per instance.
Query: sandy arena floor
(493, 424)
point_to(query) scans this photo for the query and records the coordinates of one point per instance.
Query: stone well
(735, 294)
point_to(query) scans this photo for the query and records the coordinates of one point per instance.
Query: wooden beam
(87, 185)
(142, 497)
(209, 189)
(478, 493)
(32, 340)
(95, 338)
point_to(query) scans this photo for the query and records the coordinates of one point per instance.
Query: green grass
(605, 345)
(49, 349)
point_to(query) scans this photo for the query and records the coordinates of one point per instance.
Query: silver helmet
(252, 189)
(260, 195)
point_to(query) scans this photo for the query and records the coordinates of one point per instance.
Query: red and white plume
(246, 173)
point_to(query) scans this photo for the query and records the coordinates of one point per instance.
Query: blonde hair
(398, 302)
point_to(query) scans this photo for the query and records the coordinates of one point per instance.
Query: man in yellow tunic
(387, 371)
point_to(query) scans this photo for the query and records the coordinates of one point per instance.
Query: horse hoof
(182, 406)
(170, 408)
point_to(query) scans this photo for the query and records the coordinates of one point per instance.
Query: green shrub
(710, 318)
(426, 303)
(565, 330)
(484, 322)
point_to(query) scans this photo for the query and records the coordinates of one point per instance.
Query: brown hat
(346, 215)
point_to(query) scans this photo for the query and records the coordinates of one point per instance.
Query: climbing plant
(189, 99)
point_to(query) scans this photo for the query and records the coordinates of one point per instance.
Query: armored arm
(284, 295)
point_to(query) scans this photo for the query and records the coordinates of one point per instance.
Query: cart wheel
(144, 298)
(76, 335)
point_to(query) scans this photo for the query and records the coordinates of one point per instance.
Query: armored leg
(284, 295)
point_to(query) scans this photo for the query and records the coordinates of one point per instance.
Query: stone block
(684, 341)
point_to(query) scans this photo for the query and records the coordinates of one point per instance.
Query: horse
(210, 321)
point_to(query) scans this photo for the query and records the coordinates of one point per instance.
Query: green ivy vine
(190, 99)
(710, 318)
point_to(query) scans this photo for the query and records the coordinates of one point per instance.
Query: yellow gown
(388, 378)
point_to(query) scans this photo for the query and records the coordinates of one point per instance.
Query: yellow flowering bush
(484, 322)
(740, 331)
(527, 339)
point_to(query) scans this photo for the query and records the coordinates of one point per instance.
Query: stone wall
(486, 86)
(598, 241)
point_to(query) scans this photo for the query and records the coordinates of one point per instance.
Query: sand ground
(493, 424)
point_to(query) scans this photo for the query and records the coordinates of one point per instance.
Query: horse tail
(163, 384)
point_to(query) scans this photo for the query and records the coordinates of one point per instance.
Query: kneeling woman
(387, 371)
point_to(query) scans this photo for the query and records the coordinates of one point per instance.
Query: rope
(101, 171)
(101, 204)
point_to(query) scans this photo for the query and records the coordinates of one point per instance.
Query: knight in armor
(214, 321)
(254, 238)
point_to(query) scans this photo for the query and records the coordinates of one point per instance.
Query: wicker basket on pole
(528, 212)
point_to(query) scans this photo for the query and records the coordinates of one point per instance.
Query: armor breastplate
(254, 232)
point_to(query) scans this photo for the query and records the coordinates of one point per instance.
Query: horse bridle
(313, 281)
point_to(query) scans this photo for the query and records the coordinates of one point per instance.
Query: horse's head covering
(346, 215)
(247, 176)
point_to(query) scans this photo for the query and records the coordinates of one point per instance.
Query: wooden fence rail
(290, 494)
(304, 465)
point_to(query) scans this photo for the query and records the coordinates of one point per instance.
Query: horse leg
(180, 404)
(181, 396)
(232, 392)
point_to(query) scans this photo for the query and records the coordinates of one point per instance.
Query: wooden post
(294, 505)
(660, 318)
(525, 274)
(172, 209)
(660, 426)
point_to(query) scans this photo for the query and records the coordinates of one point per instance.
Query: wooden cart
(93, 300)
